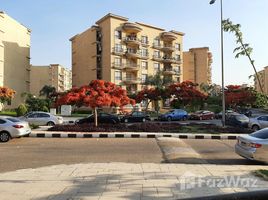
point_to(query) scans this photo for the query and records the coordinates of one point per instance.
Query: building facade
(14, 56)
(125, 53)
(263, 76)
(53, 75)
(197, 65)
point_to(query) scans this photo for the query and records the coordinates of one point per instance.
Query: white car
(258, 123)
(11, 127)
(42, 118)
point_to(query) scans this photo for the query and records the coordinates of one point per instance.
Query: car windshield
(261, 134)
(171, 111)
(13, 119)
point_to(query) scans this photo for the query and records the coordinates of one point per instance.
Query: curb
(46, 134)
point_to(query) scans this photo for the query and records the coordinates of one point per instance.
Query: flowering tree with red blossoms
(185, 93)
(236, 95)
(97, 94)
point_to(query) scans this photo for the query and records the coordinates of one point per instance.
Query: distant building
(197, 65)
(263, 76)
(53, 75)
(14, 56)
(125, 53)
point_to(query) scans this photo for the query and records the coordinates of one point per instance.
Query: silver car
(42, 119)
(258, 123)
(11, 127)
(253, 146)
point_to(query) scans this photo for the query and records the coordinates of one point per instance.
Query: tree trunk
(147, 105)
(95, 117)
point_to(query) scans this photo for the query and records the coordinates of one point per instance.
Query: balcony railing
(157, 58)
(118, 65)
(168, 48)
(132, 40)
(131, 80)
(133, 53)
(144, 55)
(157, 46)
(168, 71)
(118, 50)
(132, 67)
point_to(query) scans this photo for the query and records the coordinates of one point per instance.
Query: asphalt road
(37, 152)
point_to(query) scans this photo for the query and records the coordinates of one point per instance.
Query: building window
(179, 79)
(157, 54)
(156, 67)
(178, 57)
(177, 69)
(117, 61)
(144, 52)
(143, 78)
(118, 75)
(118, 48)
(157, 42)
(144, 65)
(144, 39)
(177, 46)
(118, 34)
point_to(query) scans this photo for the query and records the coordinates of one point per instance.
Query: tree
(47, 91)
(97, 94)
(6, 94)
(236, 96)
(185, 93)
(158, 81)
(243, 49)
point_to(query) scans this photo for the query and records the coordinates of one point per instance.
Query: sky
(54, 22)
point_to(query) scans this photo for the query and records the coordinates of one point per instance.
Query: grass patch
(9, 113)
(262, 173)
(34, 126)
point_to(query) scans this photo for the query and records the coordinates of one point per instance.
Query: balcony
(132, 41)
(168, 48)
(133, 54)
(168, 36)
(157, 58)
(118, 51)
(118, 66)
(133, 80)
(169, 71)
(168, 60)
(131, 28)
(177, 60)
(144, 55)
(131, 67)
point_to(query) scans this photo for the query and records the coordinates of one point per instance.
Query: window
(118, 75)
(144, 39)
(144, 65)
(178, 79)
(143, 78)
(177, 46)
(43, 115)
(117, 61)
(263, 118)
(156, 42)
(178, 57)
(177, 69)
(2, 121)
(156, 67)
(157, 54)
(144, 52)
(118, 48)
(118, 34)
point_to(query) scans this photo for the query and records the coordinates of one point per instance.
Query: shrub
(21, 110)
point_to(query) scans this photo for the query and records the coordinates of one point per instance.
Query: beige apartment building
(197, 65)
(53, 75)
(14, 56)
(263, 76)
(125, 53)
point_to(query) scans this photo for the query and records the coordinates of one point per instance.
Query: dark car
(102, 118)
(202, 114)
(239, 120)
(245, 111)
(227, 112)
(176, 114)
(136, 116)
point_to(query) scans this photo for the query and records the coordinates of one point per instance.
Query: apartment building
(125, 53)
(263, 76)
(14, 56)
(197, 65)
(54, 75)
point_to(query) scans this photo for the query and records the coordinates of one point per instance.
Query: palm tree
(158, 81)
(47, 90)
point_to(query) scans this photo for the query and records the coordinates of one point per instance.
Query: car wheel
(184, 118)
(51, 124)
(255, 128)
(4, 137)
(143, 120)
(126, 120)
(169, 119)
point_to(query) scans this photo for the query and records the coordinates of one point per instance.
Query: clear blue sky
(54, 22)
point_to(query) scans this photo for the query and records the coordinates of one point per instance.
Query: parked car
(202, 114)
(245, 111)
(176, 114)
(237, 120)
(102, 118)
(258, 123)
(11, 127)
(253, 146)
(42, 118)
(227, 112)
(136, 116)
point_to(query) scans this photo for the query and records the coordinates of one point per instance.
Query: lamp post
(222, 66)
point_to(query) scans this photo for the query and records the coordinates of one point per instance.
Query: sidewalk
(128, 181)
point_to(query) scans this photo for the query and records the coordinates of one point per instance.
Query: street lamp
(222, 67)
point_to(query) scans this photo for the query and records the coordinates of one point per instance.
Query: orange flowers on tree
(97, 94)
(6, 94)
